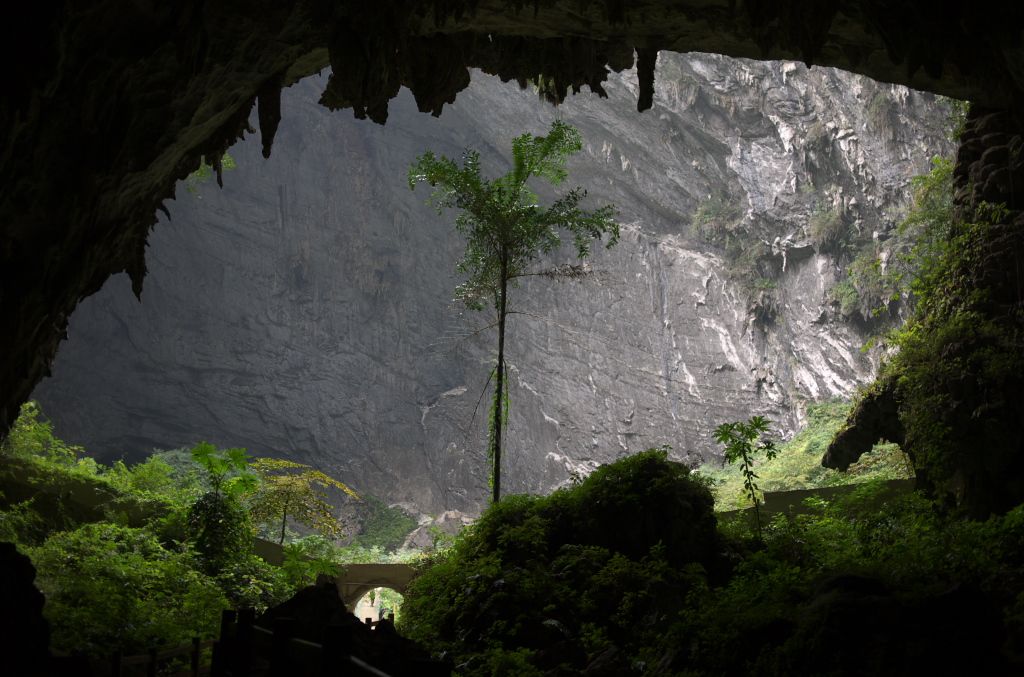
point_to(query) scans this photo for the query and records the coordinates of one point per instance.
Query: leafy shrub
(826, 229)
(220, 530)
(307, 558)
(32, 436)
(742, 442)
(715, 219)
(110, 587)
(383, 525)
(542, 582)
(219, 526)
(848, 557)
(248, 581)
(844, 294)
(20, 523)
(152, 477)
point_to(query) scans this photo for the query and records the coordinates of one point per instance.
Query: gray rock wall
(304, 310)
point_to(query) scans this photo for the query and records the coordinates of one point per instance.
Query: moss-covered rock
(955, 384)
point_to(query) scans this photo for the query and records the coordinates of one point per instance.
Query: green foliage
(153, 479)
(293, 490)
(32, 436)
(220, 531)
(20, 523)
(382, 525)
(719, 221)
(506, 230)
(248, 581)
(927, 228)
(866, 291)
(765, 620)
(826, 229)
(391, 601)
(957, 371)
(219, 526)
(227, 470)
(307, 558)
(113, 588)
(743, 441)
(958, 111)
(844, 293)
(592, 565)
(501, 218)
(716, 219)
(920, 242)
(132, 557)
(797, 464)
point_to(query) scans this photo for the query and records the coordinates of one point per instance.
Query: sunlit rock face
(304, 310)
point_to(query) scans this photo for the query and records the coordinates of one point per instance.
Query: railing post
(223, 649)
(115, 664)
(335, 651)
(284, 630)
(194, 658)
(243, 641)
(151, 665)
(227, 617)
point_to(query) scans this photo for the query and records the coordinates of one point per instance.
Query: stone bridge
(359, 579)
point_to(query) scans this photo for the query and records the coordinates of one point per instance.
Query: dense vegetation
(540, 582)
(797, 465)
(627, 572)
(149, 555)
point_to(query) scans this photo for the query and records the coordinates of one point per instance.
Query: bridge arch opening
(378, 604)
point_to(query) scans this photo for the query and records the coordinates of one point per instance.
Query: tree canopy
(293, 490)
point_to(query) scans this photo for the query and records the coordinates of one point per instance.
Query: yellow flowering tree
(290, 490)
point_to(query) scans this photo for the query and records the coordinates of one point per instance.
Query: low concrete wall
(792, 502)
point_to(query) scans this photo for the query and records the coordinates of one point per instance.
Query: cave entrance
(304, 310)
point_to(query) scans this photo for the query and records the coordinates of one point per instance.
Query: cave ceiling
(112, 102)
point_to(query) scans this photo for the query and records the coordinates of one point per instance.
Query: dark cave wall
(118, 100)
(106, 106)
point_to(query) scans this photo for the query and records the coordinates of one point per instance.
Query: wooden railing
(245, 648)
(157, 661)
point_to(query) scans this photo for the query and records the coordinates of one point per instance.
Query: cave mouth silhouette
(177, 82)
(298, 273)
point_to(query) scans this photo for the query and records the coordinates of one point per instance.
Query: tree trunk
(284, 521)
(499, 385)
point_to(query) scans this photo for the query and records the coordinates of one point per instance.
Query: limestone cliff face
(304, 310)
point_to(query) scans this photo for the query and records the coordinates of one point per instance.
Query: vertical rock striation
(304, 309)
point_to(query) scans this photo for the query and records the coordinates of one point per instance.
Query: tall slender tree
(507, 230)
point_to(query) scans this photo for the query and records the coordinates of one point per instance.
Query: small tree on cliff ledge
(506, 230)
